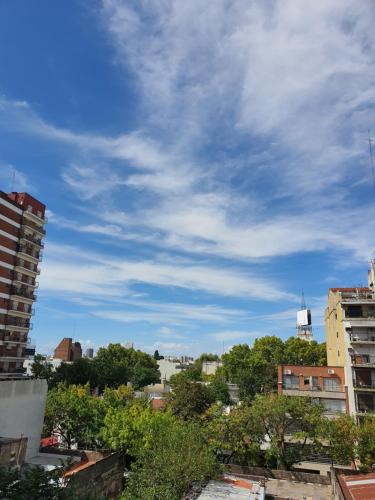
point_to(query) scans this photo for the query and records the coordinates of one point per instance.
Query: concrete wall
(103, 479)
(259, 472)
(22, 405)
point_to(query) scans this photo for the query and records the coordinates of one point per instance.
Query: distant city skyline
(202, 164)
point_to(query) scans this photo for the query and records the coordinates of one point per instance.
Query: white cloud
(70, 269)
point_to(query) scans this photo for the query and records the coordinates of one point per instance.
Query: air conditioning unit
(287, 372)
(331, 371)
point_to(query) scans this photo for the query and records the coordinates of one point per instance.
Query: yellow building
(350, 337)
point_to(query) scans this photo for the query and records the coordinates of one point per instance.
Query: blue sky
(202, 163)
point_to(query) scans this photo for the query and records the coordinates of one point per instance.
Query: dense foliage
(254, 369)
(113, 366)
(176, 457)
(38, 484)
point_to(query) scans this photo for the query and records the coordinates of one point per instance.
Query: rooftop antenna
(303, 302)
(370, 142)
(13, 180)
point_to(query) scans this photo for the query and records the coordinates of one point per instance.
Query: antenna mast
(13, 180)
(370, 141)
(304, 328)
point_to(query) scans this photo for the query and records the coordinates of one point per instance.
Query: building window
(306, 380)
(334, 405)
(290, 382)
(331, 384)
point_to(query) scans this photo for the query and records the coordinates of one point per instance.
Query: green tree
(236, 362)
(234, 436)
(117, 365)
(218, 391)
(118, 398)
(189, 399)
(299, 352)
(80, 372)
(284, 420)
(177, 457)
(42, 368)
(190, 374)
(74, 414)
(132, 428)
(341, 434)
(366, 443)
(255, 369)
(38, 484)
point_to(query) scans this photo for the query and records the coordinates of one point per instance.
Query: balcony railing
(29, 251)
(33, 226)
(366, 409)
(362, 338)
(21, 292)
(32, 239)
(14, 321)
(363, 360)
(368, 384)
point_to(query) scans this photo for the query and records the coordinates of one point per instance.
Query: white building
(22, 406)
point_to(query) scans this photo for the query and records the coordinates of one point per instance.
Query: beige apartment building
(350, 337)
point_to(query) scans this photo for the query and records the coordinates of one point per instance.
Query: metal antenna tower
(304, 328)
(13, 180)
(370, 142)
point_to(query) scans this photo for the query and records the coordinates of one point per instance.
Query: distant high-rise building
(89, 352)
(67, 350)
(22, 220)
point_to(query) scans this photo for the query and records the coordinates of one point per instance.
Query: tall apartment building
(350, 337)
(22, 220)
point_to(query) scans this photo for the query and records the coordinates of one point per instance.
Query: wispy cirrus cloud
(70, 269)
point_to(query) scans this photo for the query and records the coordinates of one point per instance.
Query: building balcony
(19, 293)
(7, 340)
(19, 314)
(364, 385)
(21, 268)
(23, 283)
(29, 238)
(362, 339)
(364, 410)
(34, 227)
(35, 218)
(12, 373)
(16, 325)
(29, 254)
(363, 360)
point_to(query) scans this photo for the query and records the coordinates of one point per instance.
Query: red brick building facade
(22, 220)
(324, 383)
(68, 350)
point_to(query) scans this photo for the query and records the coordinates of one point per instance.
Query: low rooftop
(358, 487)
(231, 487)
